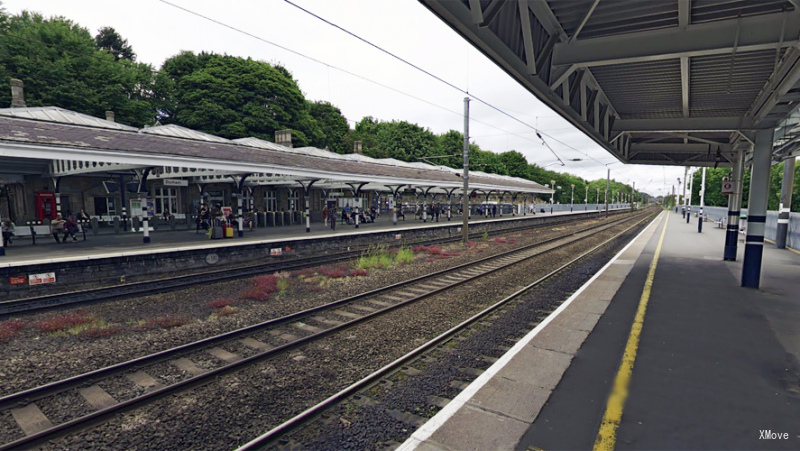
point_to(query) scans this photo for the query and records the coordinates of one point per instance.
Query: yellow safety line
(787, 247)
(607, 435)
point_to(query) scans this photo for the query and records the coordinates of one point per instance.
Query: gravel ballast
(241, 406)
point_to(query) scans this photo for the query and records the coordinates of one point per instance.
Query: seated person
(70, 229)
(57, 226)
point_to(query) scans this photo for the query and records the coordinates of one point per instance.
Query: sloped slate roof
(63, 135)
(56, 114)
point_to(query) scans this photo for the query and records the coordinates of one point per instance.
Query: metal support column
(685, 182)
(145, 213)
(702, 202)
(465, 176)
(691, 190)
(608, 182)
(786, 203)
(757, 209)
(734, 204)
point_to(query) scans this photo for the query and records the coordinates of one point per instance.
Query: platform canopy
(52, 142)
(667, 82)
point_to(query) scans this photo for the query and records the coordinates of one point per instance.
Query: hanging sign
(727, 187)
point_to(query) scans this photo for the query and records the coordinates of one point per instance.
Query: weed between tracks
(263, 288)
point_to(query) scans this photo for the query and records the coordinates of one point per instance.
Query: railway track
(154, 286)
(288, 435)
(295, 330)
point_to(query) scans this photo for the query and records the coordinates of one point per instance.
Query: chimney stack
(17, 94)
(283, 137)
(357, 147)
(110, 116)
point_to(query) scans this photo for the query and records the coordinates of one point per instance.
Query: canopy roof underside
(675, 82)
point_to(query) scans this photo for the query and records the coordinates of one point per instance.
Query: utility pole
(608, 181)
(465, 176)
(633, 195)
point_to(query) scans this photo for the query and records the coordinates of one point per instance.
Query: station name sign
(175, 182)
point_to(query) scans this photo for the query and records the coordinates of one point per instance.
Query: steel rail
(172, 283)
(313, 412)
(39, 392)
(33, 394)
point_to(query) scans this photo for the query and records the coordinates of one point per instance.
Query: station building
(55, 161)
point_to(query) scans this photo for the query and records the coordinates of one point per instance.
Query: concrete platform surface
(46, 250)
(716, 368)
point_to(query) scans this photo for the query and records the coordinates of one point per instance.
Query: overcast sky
(404, 27)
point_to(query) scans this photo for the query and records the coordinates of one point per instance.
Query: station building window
(294, 199)
(166, 200)
(271, 200)
(105, 206)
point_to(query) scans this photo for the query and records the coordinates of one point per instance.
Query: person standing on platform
(494, 210)
(84, 218)
(203, 217)
(7, 228)
(332, 215)
(57, 227)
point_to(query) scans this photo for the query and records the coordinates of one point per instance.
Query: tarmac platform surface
(716, 366)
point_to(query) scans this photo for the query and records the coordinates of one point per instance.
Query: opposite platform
(716, 365)
(22, 252)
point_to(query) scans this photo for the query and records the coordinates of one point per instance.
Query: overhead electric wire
(138, 68)
(371, 44)
(423, 71)
(367, 79)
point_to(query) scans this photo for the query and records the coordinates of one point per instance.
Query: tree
(109, 40)
(333, 125)
(235, 97)
(61, 66)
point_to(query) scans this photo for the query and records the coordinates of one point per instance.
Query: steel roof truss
(527, 35)
(747, 34)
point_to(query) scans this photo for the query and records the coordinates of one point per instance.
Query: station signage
(175, 182)
(727, 187)
(41, 279)
(275, 251)
(18, 280)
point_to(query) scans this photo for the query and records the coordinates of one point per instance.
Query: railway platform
(46, 250)
(708, 364)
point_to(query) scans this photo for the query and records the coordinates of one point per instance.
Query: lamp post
(597, 199)
(586, 198)
(552, 184)
(572, 197)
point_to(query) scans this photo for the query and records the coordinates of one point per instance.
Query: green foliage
(109, 40)
(715, 198)
(235, 97)
(333, 125)
(404, 255)
(61, 65)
